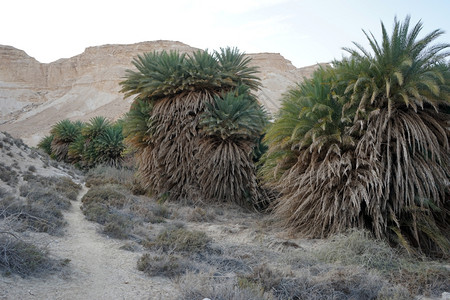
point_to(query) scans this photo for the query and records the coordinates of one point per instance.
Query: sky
(305, 32)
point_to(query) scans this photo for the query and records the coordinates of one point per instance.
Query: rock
(34, 96)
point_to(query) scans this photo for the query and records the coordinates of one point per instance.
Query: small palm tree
(64, 133)
(109, 146)
(46, 143)
(232, 124)
(310, 160)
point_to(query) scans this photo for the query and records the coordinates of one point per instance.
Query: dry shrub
(23, 258)
(164, 265)
(116, 230)
(109, 195)
(195, 286)
(180, 240)
(8, 175)
(199, 214)
(119, 211)
(61, 184)
(357, 247)
(41, 210)
(102, 174)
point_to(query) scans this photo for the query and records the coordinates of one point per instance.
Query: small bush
(357, 247)
(102, 175)
(163, 265)
(8, 175)
(195, 286)
(22, 258)
(199, 214)
(40, 209)
(149, 211)
(116, 230)
(106, 194)
(32, 168)
(180, 240)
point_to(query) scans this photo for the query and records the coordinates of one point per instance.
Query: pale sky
(305, 32)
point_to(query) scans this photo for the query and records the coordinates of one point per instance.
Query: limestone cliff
(34, 96)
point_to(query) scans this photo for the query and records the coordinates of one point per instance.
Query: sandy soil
(98, 269)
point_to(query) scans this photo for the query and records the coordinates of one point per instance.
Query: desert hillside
(34, 95)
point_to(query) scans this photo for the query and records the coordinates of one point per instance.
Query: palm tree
(178, 87)
(64, 133)
(404, 98)
(91, 133)
(46, 143)
(109, 146)
(368, 146)
(310, 160)
(232, 125)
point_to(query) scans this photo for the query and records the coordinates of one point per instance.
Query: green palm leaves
(235, 116)
(232, 125)
(366, 144)
(169, 73)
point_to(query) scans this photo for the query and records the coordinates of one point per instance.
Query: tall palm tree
(383, 163)
(404, 98)
(178, 86)
(311, 160)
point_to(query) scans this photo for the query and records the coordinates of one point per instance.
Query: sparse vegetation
(167, 265)
(180, 240)
(22, 258)
(358, 157)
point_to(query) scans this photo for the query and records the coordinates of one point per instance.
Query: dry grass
(179, 240)
(40, 205)
(101, 175)
(23, 258)
(164, 265)
(350, 266)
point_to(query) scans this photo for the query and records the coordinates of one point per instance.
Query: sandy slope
(99, 269)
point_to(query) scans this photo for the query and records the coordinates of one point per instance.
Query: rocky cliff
(34, 96)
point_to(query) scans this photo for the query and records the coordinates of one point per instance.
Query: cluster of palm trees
(86, 145)
(194, 123)
(363, 143)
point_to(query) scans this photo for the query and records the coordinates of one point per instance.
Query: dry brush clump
(24, 258)
(359, 248)
(40, 204)
(120, 212)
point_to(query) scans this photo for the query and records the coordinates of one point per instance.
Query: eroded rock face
(34, 96)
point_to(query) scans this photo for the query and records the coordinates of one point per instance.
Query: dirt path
(99, 269)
